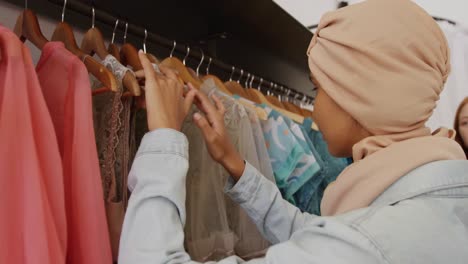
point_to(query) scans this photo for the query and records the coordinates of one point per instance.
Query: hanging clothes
(32, 209)
(285, 153)
(113, 126)
(308, 166)
(309, 197)
(216, 227)
(250, 243)
(66, 87)
(456, 87)
(262, 151)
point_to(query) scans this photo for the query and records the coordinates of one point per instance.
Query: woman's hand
(164, 96)
(217, 140)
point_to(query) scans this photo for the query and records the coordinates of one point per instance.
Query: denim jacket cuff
(164, 141)
(244, 189)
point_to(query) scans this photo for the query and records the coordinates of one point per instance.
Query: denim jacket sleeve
(275, 217)
(153, 230)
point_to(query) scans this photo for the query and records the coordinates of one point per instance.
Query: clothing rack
(110, 20)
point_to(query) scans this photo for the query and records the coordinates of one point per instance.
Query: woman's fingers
(140, 74)
(205, 105)
(150, 74)
(219, 104)
(168, 72)
(202, 123)
(188, 101)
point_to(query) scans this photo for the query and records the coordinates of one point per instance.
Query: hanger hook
(269, 89)
(25, 4)
(201, 61)
(144, 40)
(93, 20)
(63, 10)
(251, 81)
(247, 81)
(232, 73)
(186, 55)
(173, 49)
(295, 97)
(241, 74)
(208, 67)
(125, 34)
(260, 84)
(113, 32)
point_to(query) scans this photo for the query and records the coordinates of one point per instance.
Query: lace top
(113, 126)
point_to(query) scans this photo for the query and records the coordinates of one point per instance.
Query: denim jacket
(422, 218)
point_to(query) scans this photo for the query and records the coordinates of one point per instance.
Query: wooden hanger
(293, 116)
(27, 28)
(129, 57)
(64, 33)
(179, 66)
(114, 50)
(93, 42)
(234, 86)
(217, 81)
(258, 96)
(292, 108)
(273, 100)
(129, 54)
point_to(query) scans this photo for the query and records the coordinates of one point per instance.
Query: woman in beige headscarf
(379, 67)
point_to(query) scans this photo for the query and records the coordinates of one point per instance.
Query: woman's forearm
(154, 221)
(275, 217)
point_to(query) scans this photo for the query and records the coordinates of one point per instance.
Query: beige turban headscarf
(384, 62)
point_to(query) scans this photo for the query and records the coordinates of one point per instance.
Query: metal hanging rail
(141, 32)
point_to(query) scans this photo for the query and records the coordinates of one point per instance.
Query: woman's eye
(464, 123)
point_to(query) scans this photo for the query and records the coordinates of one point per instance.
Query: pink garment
(385, 63)
(32, 209)
(66, 87)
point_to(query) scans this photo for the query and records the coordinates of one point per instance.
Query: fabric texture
(113, 127)
(262, 151)
(216, 226)
(389, 81)
(285, 154)
(33, 222)
(421, 212)
(308, 167)
(66, 87)
(309, 197)
(456, 86)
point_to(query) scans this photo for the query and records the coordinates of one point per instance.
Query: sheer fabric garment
(33, 222)
(65, 84)
(207, 232)
(262, 152)
(217, 227)
(111, 114)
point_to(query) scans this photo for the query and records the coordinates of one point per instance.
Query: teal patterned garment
(308, 166)
(284, 151)
(309, 197)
